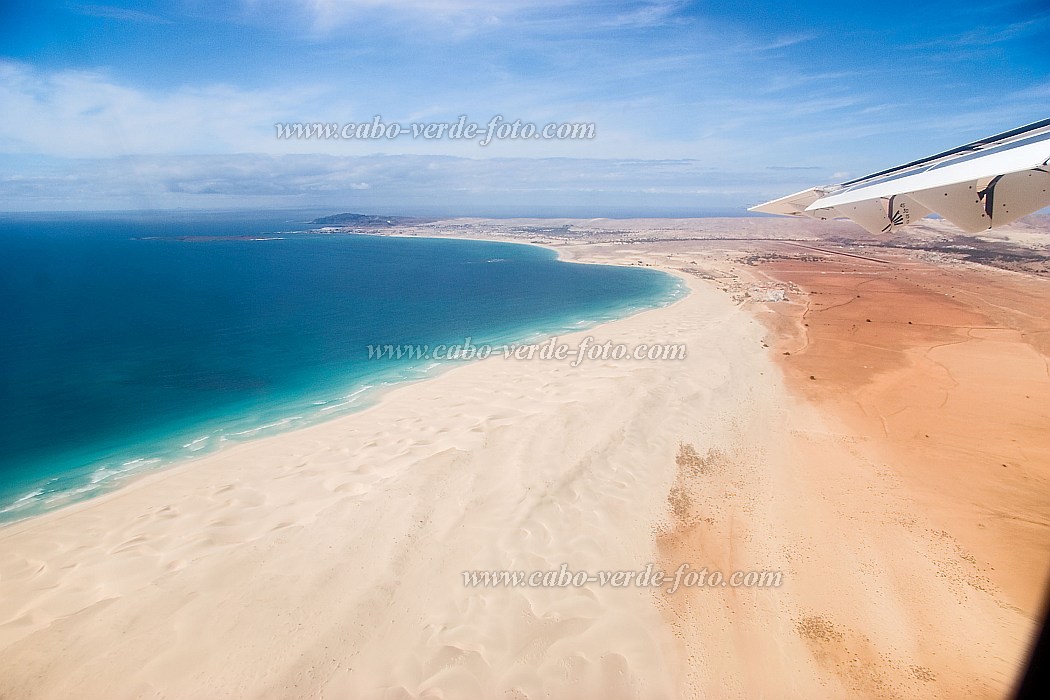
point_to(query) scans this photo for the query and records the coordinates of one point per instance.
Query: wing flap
(960, 204)
(1017, 194)
(881, 215)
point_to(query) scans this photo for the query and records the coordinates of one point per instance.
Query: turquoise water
(129, 342)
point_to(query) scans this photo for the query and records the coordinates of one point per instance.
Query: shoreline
(159, 472)
(214, 430)
(329, 559)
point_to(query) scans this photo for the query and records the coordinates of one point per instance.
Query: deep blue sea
(128, 342)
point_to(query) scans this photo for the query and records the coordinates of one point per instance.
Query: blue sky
(697, 107)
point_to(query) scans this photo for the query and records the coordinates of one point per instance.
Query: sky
(696, 107)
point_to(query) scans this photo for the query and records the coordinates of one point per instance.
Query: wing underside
(977, 186)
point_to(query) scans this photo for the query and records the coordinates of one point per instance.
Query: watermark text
(587, 349)
(497, 128)
(649, 577)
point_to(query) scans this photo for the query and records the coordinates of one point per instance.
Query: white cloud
(464, 16)
(87, 113)
(395, 184)
(121, 14)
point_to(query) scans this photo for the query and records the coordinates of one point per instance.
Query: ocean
(131, 341)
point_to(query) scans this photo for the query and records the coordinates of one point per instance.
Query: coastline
(374, 394)
(190, 439)
(329, 559)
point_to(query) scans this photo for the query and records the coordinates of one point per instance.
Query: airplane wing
(977, 186)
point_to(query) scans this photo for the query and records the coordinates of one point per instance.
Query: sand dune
(328, 562)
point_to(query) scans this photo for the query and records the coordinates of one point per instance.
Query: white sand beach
(328, 562)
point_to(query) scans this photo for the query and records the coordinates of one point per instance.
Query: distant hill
(368, 220)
